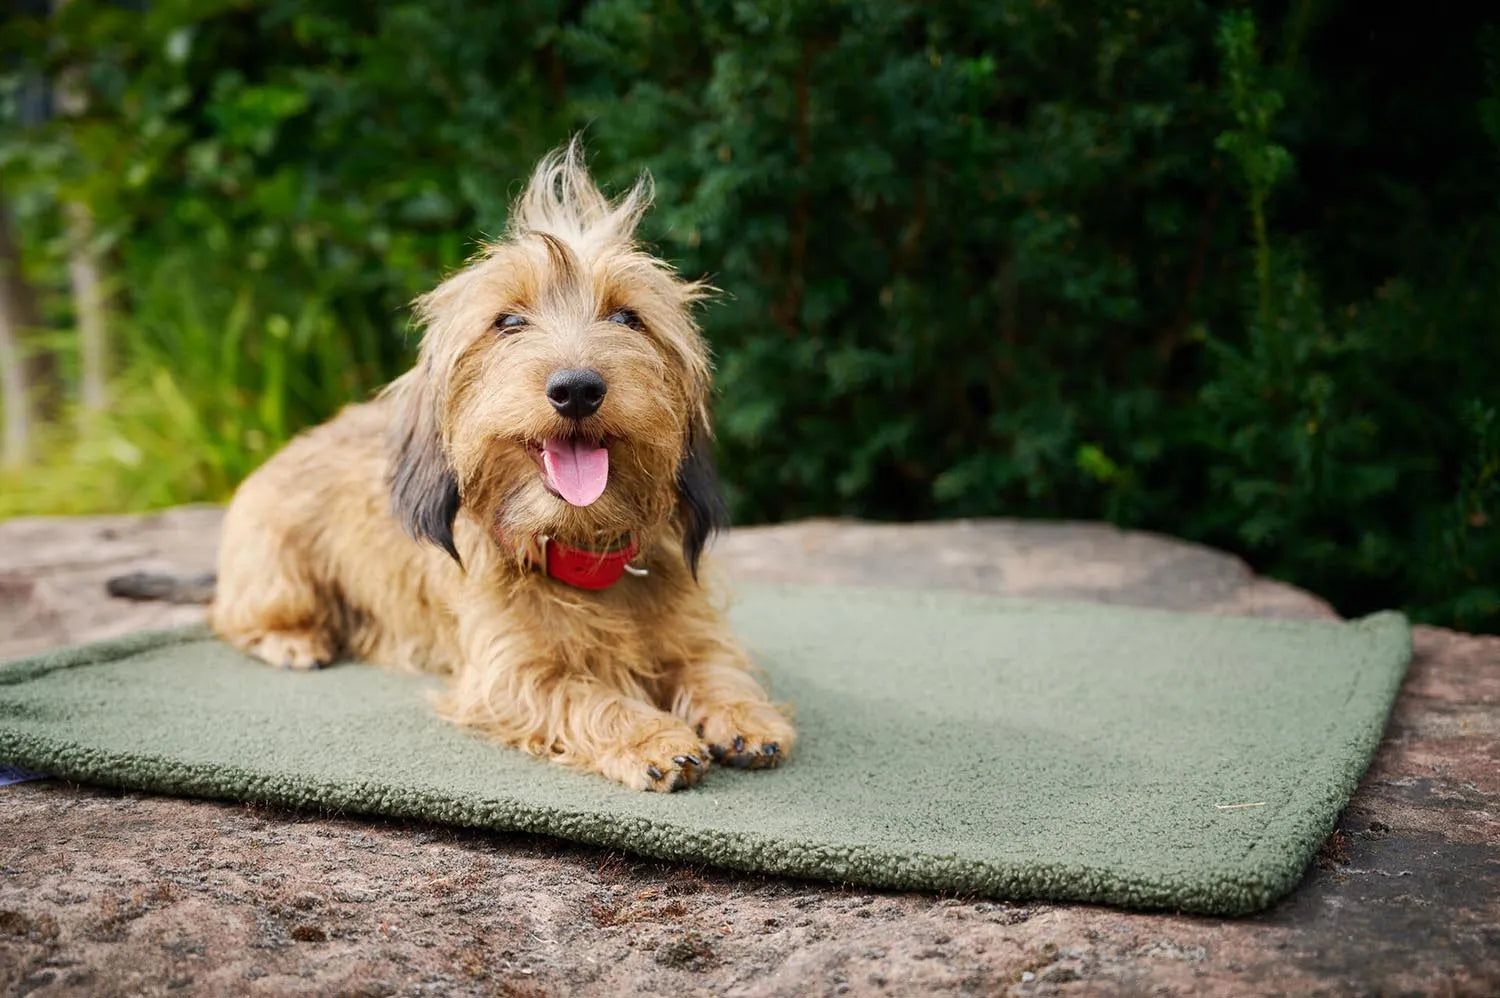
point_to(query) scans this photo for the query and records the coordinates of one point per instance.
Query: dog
(523, 511)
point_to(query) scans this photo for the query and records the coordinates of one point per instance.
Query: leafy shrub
(1229, 276)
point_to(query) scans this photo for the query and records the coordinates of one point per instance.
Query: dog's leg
(715, 691)
(265, 604)
(276, 634)
(531, 702)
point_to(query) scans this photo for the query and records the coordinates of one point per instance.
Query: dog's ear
(700, 498)
(424, 489)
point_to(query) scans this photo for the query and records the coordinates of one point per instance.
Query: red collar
(582, 568)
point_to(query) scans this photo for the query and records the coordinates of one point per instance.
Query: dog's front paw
(749, 735)
(672, 759)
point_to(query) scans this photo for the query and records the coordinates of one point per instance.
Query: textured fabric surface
(952, 742)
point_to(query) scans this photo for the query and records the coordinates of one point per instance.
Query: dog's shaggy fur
(404, 530)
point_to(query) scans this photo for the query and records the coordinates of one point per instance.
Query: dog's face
(562, 385)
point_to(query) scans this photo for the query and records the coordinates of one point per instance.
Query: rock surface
(107, 893)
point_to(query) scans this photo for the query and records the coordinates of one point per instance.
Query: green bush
(1059, 259)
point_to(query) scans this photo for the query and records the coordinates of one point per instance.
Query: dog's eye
(507, 322)
(626, 317)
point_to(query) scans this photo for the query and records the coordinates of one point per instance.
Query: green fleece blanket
(951, 742)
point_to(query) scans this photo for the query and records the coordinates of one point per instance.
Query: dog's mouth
(573, 468)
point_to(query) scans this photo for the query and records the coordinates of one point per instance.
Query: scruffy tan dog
(523, 511)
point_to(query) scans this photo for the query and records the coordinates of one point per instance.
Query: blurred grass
(211, 386)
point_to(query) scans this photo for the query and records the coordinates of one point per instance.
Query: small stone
(688, 952)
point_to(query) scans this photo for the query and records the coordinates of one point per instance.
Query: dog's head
(562, 385)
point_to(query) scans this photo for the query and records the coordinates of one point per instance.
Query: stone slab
(107, 893)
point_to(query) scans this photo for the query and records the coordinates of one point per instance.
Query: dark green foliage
(1228, 273)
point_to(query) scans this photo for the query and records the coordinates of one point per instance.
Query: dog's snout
(576, 392)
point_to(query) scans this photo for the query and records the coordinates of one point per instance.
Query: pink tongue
(578, 471)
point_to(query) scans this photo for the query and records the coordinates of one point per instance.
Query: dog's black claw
(653, 772)
(678, 781)
(717, 752)
(687, 760)
(739, 743)
(770, 748)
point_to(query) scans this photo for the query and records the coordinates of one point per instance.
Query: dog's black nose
(576, 392)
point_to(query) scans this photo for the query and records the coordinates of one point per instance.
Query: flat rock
(53, 569)
(112, 893)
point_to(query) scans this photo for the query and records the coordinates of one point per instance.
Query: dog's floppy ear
(424, 489)
(700, 498)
